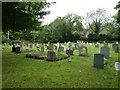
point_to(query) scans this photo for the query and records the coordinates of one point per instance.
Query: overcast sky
(80, 7)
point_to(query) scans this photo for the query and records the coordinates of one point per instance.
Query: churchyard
(60, 65)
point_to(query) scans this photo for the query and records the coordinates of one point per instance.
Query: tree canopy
(22, 15)
(118, 14)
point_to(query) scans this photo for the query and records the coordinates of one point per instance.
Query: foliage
(118, 14)
(65, 28)
(95, 20)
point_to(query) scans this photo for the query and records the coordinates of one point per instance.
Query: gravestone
(76, 45)
(117, 66)
(51, 47)
(17, 50)
(99, 60)
(42, 48)
(105, 51)
(69, 52)
(13, 48)
(51, 56)
(82, 52)
(70, 45)
(115, 47)
(60, 49)
(97, 45)
(55, 47)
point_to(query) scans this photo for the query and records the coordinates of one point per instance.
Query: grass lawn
(21, 72)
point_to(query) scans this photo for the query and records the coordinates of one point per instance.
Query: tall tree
(65, 28)
(22, 16)
(118, 14)
(95, 20)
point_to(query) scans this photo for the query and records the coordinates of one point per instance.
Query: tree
(23, 16)
(118, 14)
(95, 20)
(65, 28)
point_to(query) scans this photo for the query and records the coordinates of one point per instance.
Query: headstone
(55, 47)
(105, 51)
(60, 49)
(76, 45)
(69, 52)
(51, 56)
(97, 45)
(51, 47)
(17, 50)
(69, 45)
(13, 48)
(115, 47)
(42, 48)
(83, 52)
(21, 45)
(117, 66)
(99, 60)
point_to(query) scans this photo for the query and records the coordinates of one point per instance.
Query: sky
(80, 7)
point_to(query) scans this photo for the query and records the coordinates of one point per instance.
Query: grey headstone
(105, 51)
(115, 47)
(83, 52)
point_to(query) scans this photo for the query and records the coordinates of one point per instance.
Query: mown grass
(21, 72)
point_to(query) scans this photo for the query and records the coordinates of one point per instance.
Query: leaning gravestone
(82, 52)
(105, 51)
(99, 60)
(51, 56)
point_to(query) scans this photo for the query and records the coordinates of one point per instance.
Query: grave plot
(51, 54)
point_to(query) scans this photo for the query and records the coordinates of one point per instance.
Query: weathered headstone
(76, 45)
(83, 52)
(51, 47)
(99, 60)
(105, 51)
(51, 56)
(115, 47)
